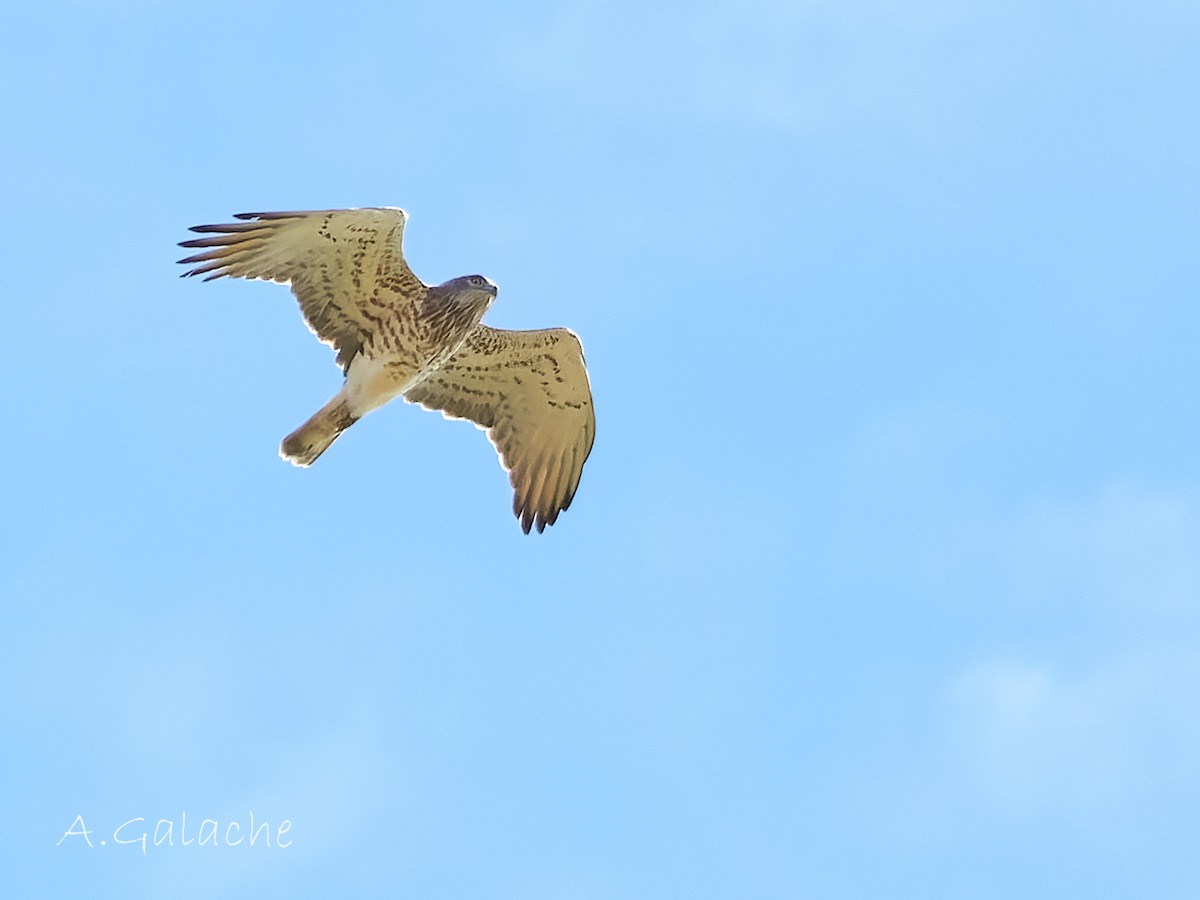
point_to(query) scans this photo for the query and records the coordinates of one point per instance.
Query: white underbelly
(371, 383)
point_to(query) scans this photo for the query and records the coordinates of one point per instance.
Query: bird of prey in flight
(397, 336)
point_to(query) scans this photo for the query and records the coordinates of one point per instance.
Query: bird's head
(464, 299)
(469, 290)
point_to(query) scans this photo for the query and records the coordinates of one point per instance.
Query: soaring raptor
(397, 336)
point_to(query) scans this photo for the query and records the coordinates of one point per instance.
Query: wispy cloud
(1129, 548)
(1031, 737)
(1088, 735)
(787, 67)
(1035, 748)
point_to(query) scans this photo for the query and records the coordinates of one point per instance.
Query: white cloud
(1081, 717)
(1130, 549)
(1030, 737)
(784, 67)
(1056, 756)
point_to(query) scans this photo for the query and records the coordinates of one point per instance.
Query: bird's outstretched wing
(530, 390)
(345, 266)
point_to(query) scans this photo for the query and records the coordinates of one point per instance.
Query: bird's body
(418, 338)
(396, 336)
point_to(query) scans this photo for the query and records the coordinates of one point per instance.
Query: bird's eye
(476, 281)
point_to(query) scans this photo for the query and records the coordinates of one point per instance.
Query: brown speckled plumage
(529, 389)
(396, 336)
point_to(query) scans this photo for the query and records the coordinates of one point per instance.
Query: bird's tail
(310, 440)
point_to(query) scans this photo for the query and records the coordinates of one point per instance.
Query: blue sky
(883, 579)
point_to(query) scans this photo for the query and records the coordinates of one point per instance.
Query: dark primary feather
(346, 267)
